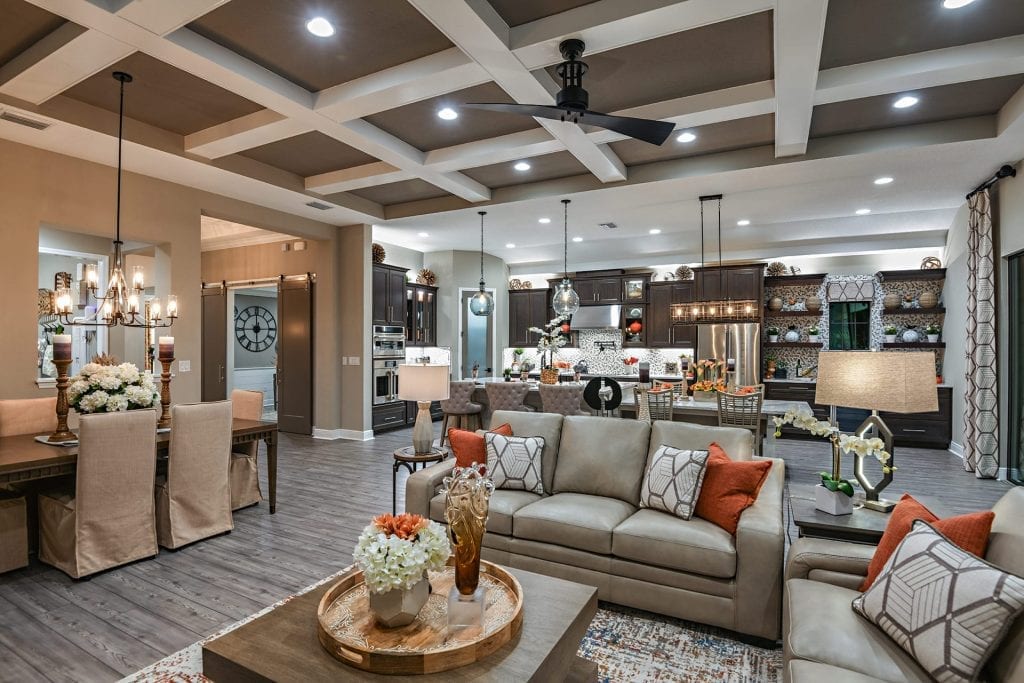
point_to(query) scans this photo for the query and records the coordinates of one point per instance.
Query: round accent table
(409, 459)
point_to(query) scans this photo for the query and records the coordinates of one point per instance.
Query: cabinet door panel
(744, 283)
(380, 296)
(609, 290)
(684, 336)
(396, 297)
(518, 318)
(659, 319)
(587, 291)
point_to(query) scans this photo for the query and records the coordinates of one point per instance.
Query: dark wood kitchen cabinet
(732, 282)
(661, 330)
(421, 315)
(389, 295)
(606, 290)
(527, 308)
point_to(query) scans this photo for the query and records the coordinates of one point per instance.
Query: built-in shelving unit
(914, 282)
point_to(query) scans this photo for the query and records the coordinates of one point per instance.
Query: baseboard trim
(956, 449)
(347, 434)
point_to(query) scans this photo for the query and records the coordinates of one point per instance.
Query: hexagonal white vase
(399, 607)
(832, 502)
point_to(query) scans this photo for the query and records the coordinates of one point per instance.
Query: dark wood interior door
(295, 356)
(215, 343)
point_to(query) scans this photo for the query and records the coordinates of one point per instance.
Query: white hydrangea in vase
(112, 388)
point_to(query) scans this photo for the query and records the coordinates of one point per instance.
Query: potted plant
(101, 388)
(933, 331)
(834, 496)
(549, 340)
(395, 552)
(507, 373)
(780, 368)
(890, 334)
(631, 364)
(769, 366)
(773, 334)
(812, 334)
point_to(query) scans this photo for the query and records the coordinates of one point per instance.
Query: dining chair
(678, 388)
(28, 416)
(508, 396)
(564, 399)
(108, 519)
(742, 410)
(653, 404)
(13, 532)
(460, 408)
(193, 501)
(244, 477)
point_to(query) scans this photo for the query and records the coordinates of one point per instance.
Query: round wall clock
(255, 328)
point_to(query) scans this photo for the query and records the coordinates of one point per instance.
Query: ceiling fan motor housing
(572, 95)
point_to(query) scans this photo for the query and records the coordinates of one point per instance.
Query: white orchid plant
(802, 419)
(550, 339)
(112, 388)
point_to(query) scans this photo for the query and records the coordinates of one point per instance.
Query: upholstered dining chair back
(195, 502)
(507, 396)
(28, 416)
(109, 521)
(742, 410)
(459, 401)
(243, 476)
(564, 399)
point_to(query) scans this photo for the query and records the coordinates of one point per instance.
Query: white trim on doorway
(456, 351)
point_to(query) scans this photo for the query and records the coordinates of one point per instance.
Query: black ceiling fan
(572, 101)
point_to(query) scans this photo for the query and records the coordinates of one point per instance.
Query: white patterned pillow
(513, 462)
(944, 606)
(672, 483)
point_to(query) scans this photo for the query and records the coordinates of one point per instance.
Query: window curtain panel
(981, 411)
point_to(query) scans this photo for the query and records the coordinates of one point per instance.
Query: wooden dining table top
(24, 452)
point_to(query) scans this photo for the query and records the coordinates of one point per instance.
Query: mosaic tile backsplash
(606, 362)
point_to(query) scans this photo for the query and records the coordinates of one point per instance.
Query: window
(849, 325)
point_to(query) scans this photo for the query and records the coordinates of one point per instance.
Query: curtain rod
(1005, 171)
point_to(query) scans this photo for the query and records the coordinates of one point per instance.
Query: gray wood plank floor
(56, 629)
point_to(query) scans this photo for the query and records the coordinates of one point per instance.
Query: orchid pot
(832, 502)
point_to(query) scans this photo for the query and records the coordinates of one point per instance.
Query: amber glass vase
(467, 500)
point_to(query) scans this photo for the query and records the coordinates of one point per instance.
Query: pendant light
(565, 301)
(482, 303)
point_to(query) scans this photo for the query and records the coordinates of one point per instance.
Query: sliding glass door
(1015, 433)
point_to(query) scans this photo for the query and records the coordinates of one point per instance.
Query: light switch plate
(344, 360)
(353, 360)
(184, 366)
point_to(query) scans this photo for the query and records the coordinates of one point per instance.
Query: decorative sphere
(482, 303)
(565, 301)
(635, 327)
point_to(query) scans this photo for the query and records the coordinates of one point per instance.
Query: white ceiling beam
(246, 132)
(356, 178)
(990, 59)
(478, 31)
(163, 17)
(799, 33)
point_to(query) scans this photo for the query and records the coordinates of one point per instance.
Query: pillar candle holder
(165, 394)
(62, 433)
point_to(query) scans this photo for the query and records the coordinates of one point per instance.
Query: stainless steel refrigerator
(738, 344)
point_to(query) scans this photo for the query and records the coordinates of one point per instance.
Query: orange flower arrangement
(630, 360)
(745, 391)
(405, 526)
(708, 385)
(563, 364)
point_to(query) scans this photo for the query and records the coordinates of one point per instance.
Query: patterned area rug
(627, 644)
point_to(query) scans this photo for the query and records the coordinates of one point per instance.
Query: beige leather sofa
(589, 528)
(824, 640)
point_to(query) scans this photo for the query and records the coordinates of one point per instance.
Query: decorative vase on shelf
(891, 302)
(775, 304)
(399, 606)
(833, 502)
(933, 338)
(812, 338)
(793, 334)
(928, 300)
(813, 304)
(890, 339)
(910, 336)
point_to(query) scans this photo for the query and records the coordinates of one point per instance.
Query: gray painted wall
(954, 295)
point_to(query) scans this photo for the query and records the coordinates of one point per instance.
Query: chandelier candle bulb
(133, 303)
(62, 347)
(137, 277)
(91, 276)
(166, 346)
(172, 306)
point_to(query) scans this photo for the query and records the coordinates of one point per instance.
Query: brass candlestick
(165, 394)
(62, 433)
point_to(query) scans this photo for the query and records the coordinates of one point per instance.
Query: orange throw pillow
(729, 488)
(969, 531)
(469, 447)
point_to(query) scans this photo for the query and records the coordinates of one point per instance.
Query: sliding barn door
(295, 356)
(215, 342)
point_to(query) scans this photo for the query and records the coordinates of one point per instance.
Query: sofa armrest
(760, 550)
(424, 484)
(837, 562)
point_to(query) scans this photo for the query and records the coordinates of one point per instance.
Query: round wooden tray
(348, 630)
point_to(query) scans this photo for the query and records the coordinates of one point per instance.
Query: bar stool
(459, 405)
(508, 396)
(564, 399)
(742, 410)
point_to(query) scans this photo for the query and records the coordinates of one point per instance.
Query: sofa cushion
(1006, 551)
(545, 425)
(503, 505)
(514, 462)
(946, 607)
(658, 538)
(737, 442)
(602, 456)
(802, 671)
(574, 520)
(729, 488)
(468, 446)
(823, 628)
(672, 481)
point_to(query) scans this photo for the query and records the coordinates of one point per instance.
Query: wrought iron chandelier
(482, 303)
(565, 301)
(122, 304)
(722, 308)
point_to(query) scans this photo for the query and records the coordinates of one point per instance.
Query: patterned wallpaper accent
(605, 362)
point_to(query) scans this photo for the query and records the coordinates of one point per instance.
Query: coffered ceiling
(239, 98)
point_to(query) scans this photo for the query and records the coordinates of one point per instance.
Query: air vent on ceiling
(22, 121)
(608, 226)
(319, 205)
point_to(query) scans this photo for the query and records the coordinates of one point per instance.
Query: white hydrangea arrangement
(112, 388)
(396, 551)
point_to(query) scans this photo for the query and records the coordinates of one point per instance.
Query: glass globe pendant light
(482, 303)
(565, 301)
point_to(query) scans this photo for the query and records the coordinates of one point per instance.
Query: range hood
(597, 318)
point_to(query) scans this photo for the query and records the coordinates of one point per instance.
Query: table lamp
(893, 381)
(423, 384)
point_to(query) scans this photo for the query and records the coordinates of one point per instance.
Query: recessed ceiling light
(510, 245)
(655, 231)
(956, 4)
(522, 166)
(544, 221)
(686, 136)
(862, 212)
(577, 239)
(742, 222)
(905, 102)
(884, 180)
(423, 234)
(320, 27)
(448, 114)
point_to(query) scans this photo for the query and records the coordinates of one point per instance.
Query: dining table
(23, 458)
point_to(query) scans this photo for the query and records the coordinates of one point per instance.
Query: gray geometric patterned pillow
(513, 462)
(945, 607)
(672, 483)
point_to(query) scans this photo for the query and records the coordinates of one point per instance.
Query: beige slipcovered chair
(28, 416)
(508, 396)
(194, 502)
(244, 476)
(109, 520)
(13, 532)
(564, 399)
(459, 405)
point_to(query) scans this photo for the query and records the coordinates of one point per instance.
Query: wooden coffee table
(282, 645)
(862, 526)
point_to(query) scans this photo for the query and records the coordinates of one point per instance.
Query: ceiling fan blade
(544, 111)
(654, 132)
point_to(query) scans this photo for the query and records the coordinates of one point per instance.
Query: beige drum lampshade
(423, 382)
(892, 381)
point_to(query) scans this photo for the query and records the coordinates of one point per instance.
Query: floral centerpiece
(631, 363)
(395, 552)
(710, 379)
(550, 339)
(112, 388)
